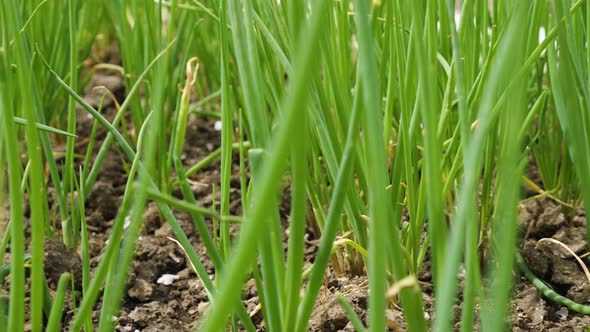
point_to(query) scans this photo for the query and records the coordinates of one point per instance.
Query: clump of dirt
(59, 259)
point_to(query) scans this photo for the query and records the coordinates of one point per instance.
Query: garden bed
(152, 305)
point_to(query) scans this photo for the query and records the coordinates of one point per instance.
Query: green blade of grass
(68, 172)
(296, 242)
(227, 129)
(57, 309)
(48, 129)
(377, 179)
(36, 191)
(432, 156)
(16, 314)
(112, 300)
(352, 315)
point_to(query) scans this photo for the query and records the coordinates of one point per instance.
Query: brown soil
(153, 306)
(552, 263)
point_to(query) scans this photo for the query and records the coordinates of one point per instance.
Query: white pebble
(167, 279)
(562, 313)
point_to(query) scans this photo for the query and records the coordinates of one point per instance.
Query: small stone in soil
(167, 279)
(562, 313)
